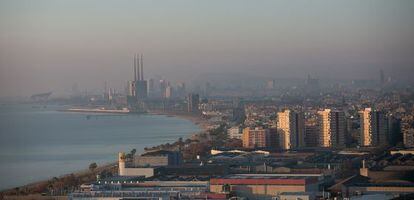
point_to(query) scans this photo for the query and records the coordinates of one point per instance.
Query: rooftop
(272, 179)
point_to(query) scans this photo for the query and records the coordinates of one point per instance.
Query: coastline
(203, 124)
(80, 173)
(95, 110)
(195, 119)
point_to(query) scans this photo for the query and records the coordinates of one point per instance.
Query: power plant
(137, 88)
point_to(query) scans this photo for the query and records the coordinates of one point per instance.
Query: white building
(123, 170)
(235, 132)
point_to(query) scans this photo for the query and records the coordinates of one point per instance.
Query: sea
(40, 142)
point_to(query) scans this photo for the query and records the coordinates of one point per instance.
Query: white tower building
(374, 127)
(291, 129)
(121, 164)
(332, 128)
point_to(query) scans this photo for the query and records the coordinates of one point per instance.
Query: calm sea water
(37, 143)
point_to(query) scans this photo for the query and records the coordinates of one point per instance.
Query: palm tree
(133, 152)
(93, 166)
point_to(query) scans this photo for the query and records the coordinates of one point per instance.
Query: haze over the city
(50, 45)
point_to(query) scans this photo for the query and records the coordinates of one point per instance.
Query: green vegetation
(93, 166)
(191, 148)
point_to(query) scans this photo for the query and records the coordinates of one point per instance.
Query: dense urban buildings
(344, 142)
(273, 100)
(332, 145)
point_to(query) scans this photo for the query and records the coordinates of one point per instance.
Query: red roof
(216, 196)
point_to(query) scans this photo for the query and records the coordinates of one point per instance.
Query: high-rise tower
(192, 103)
(291, 129)
(332, 128)
(374, 127)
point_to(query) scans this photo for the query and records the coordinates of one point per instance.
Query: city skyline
(140, 99)
(50, 45)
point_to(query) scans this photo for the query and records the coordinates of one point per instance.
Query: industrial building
(158, 158)
(138, 88)
(147, 164)
(127, 170)
(263, 186)
(159, 190)
(164, 163)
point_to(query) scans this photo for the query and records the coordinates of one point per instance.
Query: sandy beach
(196, 119)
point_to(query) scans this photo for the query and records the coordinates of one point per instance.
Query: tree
(133, 152)
(93, 166)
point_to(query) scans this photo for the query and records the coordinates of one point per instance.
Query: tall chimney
(135, 67)
(142, 68)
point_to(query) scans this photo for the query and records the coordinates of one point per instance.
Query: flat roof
(262, 179)
(122, 178)
(277, 175)
(385, 184)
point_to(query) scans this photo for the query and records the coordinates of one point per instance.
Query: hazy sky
(50, 45)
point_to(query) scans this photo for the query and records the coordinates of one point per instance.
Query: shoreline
(95, 110)
(80, 172)
(195, 119)
(203, 124)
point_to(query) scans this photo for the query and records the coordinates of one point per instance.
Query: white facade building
(235, 132)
